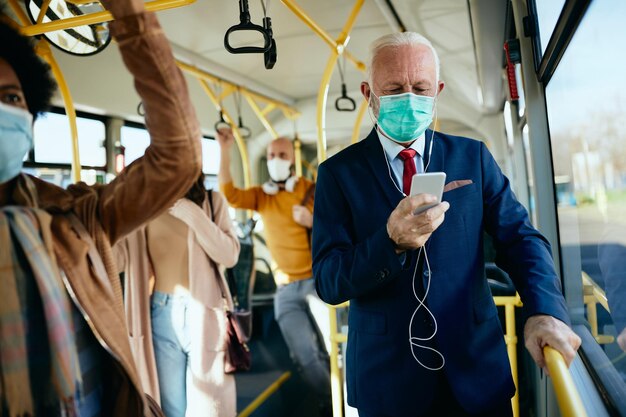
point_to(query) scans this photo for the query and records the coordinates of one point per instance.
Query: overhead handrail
(245, 25)
(270, 103)
(344, 102)
(567, 395)
(92, 18)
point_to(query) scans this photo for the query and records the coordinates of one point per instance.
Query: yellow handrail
(567, 395)
(593, 294)
(288, 111)
(264, 395)
(510, 338)
(98, 17)
(338, 47)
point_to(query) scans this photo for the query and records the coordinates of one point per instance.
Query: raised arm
(173, 160)
(216, 237)
(236, 197)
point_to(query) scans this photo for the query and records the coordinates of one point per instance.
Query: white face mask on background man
(16, 140)
(279, 169)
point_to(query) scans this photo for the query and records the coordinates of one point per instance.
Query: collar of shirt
(396, 164)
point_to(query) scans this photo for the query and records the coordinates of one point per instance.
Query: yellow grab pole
(511, 347)
(322, 98)
(43, 50)
(567, 395)
(258, 401)
(336, 383)
(334, 45)
(98, 17)
(259, 114)
(358, 121)
(287, 110)
(43, 10)
(243, 151)
(510, 338)
(297, 148)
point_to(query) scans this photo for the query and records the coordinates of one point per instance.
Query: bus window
(53, 143)
(135, 140)
(547, 15)
(210, 156)
(586, 104)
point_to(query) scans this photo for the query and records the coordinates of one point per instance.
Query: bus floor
(270, 360)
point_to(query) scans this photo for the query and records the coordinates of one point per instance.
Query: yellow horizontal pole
(227, 91)
(567, 395)
(98, 17)
(334, 45)
(359, 119)
(243, 151)
(255, 108)
(43, 50)
(264, 395)
(287, 110)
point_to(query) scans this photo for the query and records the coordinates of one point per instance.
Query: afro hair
(34, 74)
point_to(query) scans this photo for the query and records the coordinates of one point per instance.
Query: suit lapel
(375, 156)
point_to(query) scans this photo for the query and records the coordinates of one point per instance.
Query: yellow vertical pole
(243, 151)
(358, 121)
(336, 382)
(322, 98)
(511, 347)
(297, 147)
(43, 49)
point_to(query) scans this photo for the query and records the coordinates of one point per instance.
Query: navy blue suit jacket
(354, 259)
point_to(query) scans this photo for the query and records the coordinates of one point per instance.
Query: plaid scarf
(27, 254)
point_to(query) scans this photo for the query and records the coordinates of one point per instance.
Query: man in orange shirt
(287, 216)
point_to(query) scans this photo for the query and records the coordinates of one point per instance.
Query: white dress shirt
(392, 153)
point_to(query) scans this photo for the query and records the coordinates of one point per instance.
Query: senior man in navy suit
(424, 337)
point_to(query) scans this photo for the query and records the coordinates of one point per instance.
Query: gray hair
(398, 39)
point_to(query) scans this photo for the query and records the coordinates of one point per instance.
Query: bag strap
(210, 197)
(310, 192)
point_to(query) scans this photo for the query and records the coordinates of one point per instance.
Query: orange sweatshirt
(286, 239)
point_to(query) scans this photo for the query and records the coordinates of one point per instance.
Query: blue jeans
(301, 335)
(170, 335)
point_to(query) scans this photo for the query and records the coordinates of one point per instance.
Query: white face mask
(279, 169)
(16, 139)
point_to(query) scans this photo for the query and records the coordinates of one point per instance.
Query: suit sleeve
(521, 250)
(344, 268)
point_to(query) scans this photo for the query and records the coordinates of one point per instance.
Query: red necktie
(408, 156)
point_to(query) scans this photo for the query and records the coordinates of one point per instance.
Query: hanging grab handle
(271, 55)
(246, 25)
(243, 130)
(221, 123)
(345, 103)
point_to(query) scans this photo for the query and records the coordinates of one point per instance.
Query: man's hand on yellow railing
(542, 330)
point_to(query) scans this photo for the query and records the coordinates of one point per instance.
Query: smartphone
(428, 183)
